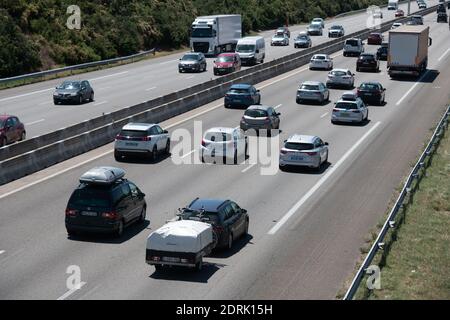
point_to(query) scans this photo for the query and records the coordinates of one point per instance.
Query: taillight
(146, 138)
(119, 137)
(71, 213)
(110, 215)
(266, 120)
(335, 110)
(218, 229)
(204, 144)
(283, 151)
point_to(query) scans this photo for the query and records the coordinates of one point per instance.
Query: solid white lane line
(297, 206)
(412, 88)
(25, 95)
(278, 106)
(150, 89)
(70, 292)
(100, 103)
(109, 76)
(163, 63)
(324, 115)
(34, 122)
(188, 154)
(248, 168)
(445, 53)
(2, 251)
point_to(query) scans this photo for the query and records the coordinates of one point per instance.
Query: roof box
(349, 96)
(102, 175)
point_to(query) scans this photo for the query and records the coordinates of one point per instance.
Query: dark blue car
(242, 95)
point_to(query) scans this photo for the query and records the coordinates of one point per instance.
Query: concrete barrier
(18, 160)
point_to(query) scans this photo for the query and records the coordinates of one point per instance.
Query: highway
(131, 84)
(306, 228)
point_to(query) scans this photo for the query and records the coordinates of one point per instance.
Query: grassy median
(418, 263)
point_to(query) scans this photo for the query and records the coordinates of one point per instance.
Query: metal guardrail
(402, 200)
(77, 67)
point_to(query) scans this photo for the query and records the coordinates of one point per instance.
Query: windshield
(202, 33)
(315, 26)
(91, 196)
(218, 136)
(190, 57)
(346, 105)
(245, 48)
(256, 113)
(352, 43)
(69, 85)
(302, 38)
(225, 59)
(319, 58)
(299, 146)
(309, 87)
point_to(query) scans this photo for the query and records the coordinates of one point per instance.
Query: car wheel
(119, 231)
(80, 99)
(143, 215)
(2, 142)
(71, 233)
(230, 241)
(198, 265)
(91, 98)
(158, 267)
(235, 157)
(246, 228)
(154, 154)
(167, 149)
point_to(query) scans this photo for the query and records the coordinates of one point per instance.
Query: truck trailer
(408, 50)
(213, 35)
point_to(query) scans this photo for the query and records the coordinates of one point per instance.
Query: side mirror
(278, 114)
(285, 141)
(165, 132)
(243, 211)
(326, 143)
(258, 91)
(384, 89)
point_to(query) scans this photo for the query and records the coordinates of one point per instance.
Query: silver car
(313, 91)
(340, 78)
(305, 151)
(315, 29)
(302, 41)
(142, 139)
(350, 108)
(192, 61)
(260, 117)
(222, 144)
(318, 20)
(336, 31)
(280, 40)
(321, 61)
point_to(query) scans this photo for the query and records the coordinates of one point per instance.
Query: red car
(11, 130)
(375, 38)
(399, 13)
(227, 63)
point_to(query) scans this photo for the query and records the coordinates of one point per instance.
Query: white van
(252, 50)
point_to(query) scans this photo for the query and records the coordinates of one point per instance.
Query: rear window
(335, 28)
(310, 87)
(352, 43)
(338, 73)
(319, 58)
(237, 91)
(346, 105)
(91, 196)
(256, 113)
(366, 57)
(218, 136)
(299, 146)
(133, 133)
(369, 86)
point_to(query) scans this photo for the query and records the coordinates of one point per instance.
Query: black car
(368, 61)
(242, 95)
(73, 92)
(441, 8)
(229, 221)
(192, 61)
(442, 17)
(104, 202)
(372, 92)
(382, 52)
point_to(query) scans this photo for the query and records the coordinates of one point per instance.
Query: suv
(368, 61)
(350, 108)
(104, 202)
(242, 95)
(442, 17)
(11, 130)
(383, 51)
(141, 139)
(353, 46)
(192, 61)
(73, 92)
(229, 221)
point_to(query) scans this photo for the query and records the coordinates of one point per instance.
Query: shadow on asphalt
(187, 274)
(144, 160)
(353, 124)
(430, 76)
(238, 245)
(128, 233)
(306, 170)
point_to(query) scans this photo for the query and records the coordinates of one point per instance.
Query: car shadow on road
(306, 170)
(187, 274)
(238, 245)
(128, 233)
(353, 124)
(144, 160)
(429, 77)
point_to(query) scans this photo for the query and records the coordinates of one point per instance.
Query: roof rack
(102, 175)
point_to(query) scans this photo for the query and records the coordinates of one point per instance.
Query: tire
(230, 241)
(119, 231)
(235, 157)
(91, 98)
(143, 215)
(167, 149)
(154, 154)
(2, 142)
(246, 228)
(299, 101)
(158, 267)
(80, 100)
(23, 136)
(71, 233)
(117, 156)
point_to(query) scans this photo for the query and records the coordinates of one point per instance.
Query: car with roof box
(304, 151)
(11, 130)
(223, 145)
(313, 91)
(372, 92)
(141, 139)
(228, 219)
(260, 117)
(242, 95)
(104, 202)
(350, 108)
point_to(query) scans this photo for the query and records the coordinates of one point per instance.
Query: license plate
(296, 158)
(344, 115)
(171, 259)
(89, 213)
(131, 144)
(367, 94)
(236, 100)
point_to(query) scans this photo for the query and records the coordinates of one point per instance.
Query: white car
(395, 25)
(340, 78)
(321, 61)
(353, 46)
(141, 139)
(223, 144)
(280, 40)
(319, 20)
(350, 108)
(305, 151)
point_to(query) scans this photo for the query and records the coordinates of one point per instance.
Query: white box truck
(408, 50)
(392, 5)
(212, 35)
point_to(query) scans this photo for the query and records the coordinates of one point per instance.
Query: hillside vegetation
(34, 36)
